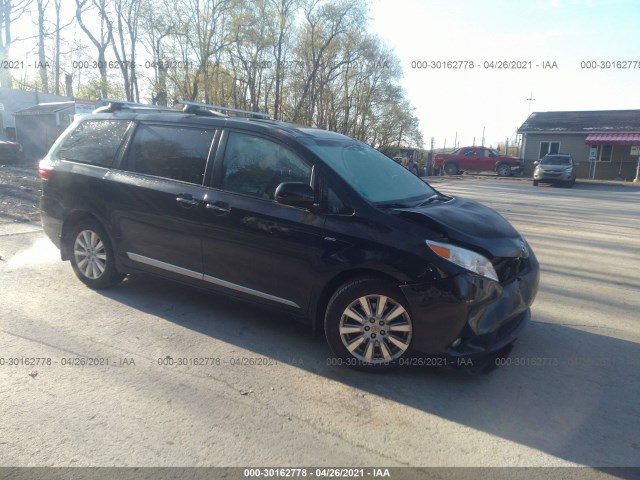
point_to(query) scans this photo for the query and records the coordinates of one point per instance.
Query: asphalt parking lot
(568, 395)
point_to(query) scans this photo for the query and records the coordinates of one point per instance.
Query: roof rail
(107, 105)
(195, 107)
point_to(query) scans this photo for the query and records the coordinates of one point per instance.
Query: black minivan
(314, 222)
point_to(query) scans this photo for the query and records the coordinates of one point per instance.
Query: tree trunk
(42, 66)
(68, 83)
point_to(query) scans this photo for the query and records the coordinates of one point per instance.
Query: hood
(469, 223)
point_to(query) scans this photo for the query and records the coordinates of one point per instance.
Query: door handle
(220, 208)
(186, 200)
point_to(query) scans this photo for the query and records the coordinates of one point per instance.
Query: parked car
(9, 150)
(477, 159)
(556, 168)
(309, 221)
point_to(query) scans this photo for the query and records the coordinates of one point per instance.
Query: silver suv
(555, 168)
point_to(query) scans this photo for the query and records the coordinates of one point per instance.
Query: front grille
(508, 267)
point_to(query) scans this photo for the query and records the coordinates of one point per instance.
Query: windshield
(555, 160)
(375, 176)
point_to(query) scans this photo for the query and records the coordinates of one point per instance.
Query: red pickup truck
(478, 159)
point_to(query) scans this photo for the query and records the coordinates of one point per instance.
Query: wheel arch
(320, 306)
(70, 221)
(500, 163)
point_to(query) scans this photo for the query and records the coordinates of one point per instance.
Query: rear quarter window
(93, 141)
(168, 151)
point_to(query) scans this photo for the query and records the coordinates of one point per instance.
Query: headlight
(568, 169)
(467, 259)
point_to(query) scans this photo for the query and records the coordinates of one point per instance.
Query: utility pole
(482, 144)
(430, 158)
(530, 99)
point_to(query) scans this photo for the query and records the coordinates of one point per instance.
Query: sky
(466, 101)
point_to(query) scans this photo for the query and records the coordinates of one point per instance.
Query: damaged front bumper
(468, 317)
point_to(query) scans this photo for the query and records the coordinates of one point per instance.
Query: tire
(503, 170)
(451, 168)
(535, 183)
(380, 337)
(92, 256)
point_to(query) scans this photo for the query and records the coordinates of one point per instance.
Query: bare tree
(42, 58)
(284, 15)
(57, 4)
(206, 21)
(10, 11)
(325, 24)
(101, 39)
(127, 16)
(157, 26)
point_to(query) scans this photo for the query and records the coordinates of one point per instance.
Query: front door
(252, 245)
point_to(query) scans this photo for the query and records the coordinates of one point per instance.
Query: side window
(335, 205)
(469, 152)
(93, 141)
(256, 166)
(168, 151)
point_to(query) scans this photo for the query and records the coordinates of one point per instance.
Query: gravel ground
(20, 189)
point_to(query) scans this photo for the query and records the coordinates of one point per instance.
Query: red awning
(613, 138)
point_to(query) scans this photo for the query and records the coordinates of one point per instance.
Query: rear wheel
(451, 169)
(92, 255)
(368, 325)
(504, 170)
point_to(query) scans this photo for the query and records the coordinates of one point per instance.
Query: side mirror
(536, 162)
(295, 194)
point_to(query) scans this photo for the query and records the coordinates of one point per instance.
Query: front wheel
(92, 256)
(451, 169)
(368, 325)
(503, 170)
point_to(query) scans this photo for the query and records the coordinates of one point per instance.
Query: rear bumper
(51, 216)
(470, 317)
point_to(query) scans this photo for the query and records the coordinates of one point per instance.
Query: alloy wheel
(90, 254)
(375, 329)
